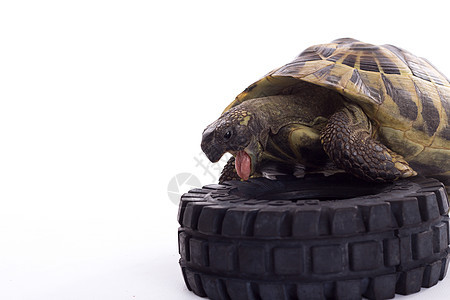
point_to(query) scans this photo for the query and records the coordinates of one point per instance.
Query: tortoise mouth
(212, 153)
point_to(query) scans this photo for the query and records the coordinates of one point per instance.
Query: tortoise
(377, 112)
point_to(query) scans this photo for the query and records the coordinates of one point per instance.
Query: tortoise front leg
(347, 139)
(229, 171)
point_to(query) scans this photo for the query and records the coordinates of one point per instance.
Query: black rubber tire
(314, 238)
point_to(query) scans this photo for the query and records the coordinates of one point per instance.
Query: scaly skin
(280, 128)
(405, 98)
(285, 129)
(263, 128)
(229, 172)
(347, 139)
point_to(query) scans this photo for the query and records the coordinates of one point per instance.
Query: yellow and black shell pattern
(405, 96)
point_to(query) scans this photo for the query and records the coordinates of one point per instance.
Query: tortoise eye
(227, 135)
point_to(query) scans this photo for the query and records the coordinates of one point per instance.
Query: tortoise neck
(275, 112)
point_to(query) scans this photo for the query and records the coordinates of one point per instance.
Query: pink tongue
(243, 165)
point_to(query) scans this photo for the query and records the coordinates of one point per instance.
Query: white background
(102, 103)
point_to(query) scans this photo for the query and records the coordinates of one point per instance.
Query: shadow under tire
(314, 238)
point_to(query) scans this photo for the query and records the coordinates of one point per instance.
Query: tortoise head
(237, 132)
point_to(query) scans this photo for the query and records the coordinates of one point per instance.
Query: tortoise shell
(405, 96)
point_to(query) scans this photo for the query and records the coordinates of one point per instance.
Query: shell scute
(405, 97)
(394, 87)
